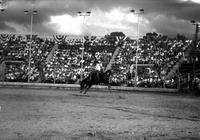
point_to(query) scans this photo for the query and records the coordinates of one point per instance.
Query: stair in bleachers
(1, 56)
(2, 70)
(113, 58)
(177, 65)
(51, 53)
(49, 57)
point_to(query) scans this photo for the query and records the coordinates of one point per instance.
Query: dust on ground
(49, 114)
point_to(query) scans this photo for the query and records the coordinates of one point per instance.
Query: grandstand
(162, 62)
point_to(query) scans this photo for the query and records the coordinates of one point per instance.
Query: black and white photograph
(99, 70)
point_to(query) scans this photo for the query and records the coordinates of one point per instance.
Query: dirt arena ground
(50, 114)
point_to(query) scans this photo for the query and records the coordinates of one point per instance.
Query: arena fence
(76, 87)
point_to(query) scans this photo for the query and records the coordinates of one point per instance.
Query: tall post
(2, 6)
(194, 48)
(141, 11)
(30, 48)
(30, 45)
(136, 60)
(83, 47)
(196, 34)
(2, 64)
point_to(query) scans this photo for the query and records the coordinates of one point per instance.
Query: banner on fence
(5, 37)
(59, 38)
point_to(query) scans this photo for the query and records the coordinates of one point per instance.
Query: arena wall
(76, 87)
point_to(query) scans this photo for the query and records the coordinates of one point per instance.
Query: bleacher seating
(159, 52)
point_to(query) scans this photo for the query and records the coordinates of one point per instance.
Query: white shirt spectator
(98, 67)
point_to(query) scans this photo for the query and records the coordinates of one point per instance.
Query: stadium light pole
(195, 43)
(31, 14)
(2, 6)
(138, 13)
(2, 9)
(84, 15)
(196, 31)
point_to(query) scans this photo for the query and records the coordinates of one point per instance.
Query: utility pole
(31, 14)
(83, 47)
(141, 11)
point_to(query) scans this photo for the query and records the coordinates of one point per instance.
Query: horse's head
(108, 73)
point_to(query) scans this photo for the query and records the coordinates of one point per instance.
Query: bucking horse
(95, 77)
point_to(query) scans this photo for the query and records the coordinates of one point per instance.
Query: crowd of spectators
(16, 52)
(160, 53)
(65, 65)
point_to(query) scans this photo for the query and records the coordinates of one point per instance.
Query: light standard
(196, 31)
(2, 8)
(82, 54)
(3, 67)
(141, 11)
(31, 14)
(195, 45)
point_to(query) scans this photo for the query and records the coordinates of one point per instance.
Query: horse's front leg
(87, 88)
(81, 86)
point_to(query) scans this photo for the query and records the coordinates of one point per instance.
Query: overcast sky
(168, 17)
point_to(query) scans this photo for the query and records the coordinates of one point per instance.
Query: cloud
(164, 16)
(17, 27)
(66, 24)
(170, 25)
(98, 23)
(194, 1)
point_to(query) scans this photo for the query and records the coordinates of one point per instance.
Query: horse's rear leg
(109, 88)
(85, 90)
(82, 85)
